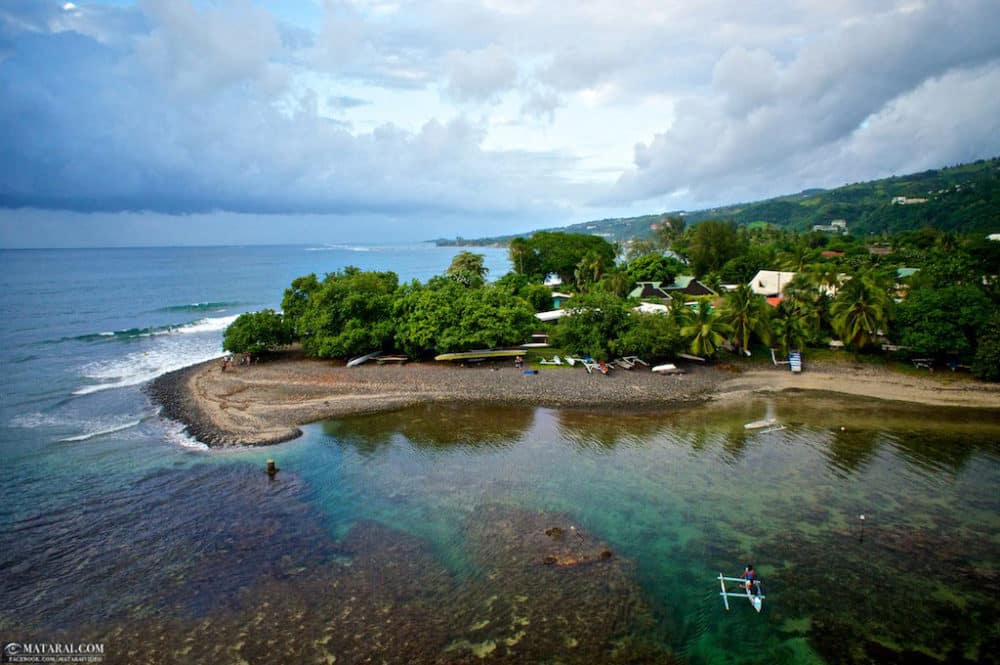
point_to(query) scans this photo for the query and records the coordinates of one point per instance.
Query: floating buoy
(271, 468)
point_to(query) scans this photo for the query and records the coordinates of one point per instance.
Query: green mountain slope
(963, 198)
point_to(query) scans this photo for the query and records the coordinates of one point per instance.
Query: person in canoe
(752, 580)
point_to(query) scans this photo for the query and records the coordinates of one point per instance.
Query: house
(770, 283)
(649, 290)
(690, 286)
(831, 254)
(880, 251)
(836, 226)
(993, 236)
(906, 200)
(552, 279)
(559, 298)
(685, 284)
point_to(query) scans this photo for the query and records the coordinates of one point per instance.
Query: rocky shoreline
(266, 403)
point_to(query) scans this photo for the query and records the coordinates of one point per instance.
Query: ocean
(422, 535)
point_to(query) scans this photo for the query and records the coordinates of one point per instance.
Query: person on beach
(518, 362)
(750, 575)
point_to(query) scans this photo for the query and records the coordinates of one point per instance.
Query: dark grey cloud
(179, 106)
(196, 111)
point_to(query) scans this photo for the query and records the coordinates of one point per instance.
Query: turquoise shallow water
(433, 512)
(420, 536)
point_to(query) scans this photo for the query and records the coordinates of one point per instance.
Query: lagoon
(419, 536)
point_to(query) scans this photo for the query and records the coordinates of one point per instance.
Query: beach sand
(266, 402)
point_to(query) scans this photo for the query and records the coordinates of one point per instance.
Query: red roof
(830, 253)
(773, 301)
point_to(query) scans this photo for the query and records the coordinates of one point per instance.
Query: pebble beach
(264, 403)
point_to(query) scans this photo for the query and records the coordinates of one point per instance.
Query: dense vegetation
(962, 198)
(926, 294)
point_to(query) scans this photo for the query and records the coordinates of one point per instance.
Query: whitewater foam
(342, 248)
(187, 345)
(102, 432)
(210, 324)
(174, 432)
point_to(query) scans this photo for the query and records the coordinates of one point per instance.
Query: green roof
(903, 273)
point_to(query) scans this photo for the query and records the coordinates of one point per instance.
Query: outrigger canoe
(481, 355)
(756, 599)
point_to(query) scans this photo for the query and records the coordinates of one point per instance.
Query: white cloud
(765, 127)
(179, 105)
(200, 51)
(481, 74)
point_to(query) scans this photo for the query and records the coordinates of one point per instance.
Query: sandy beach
(266, 402)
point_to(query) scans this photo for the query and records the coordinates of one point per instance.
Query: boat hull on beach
(481, 355)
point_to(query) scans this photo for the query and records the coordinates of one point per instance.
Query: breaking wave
(201, 325)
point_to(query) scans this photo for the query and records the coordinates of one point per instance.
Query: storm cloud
(500, 109)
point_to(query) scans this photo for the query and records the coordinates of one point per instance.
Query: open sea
(446, 534)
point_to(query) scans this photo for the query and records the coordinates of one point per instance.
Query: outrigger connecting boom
(757, 600)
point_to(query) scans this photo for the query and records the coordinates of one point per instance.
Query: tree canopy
(712, 244)
(561, 253)
(349, 314)
(257, 332)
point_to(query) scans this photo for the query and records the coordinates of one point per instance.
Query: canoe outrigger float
(756, 599)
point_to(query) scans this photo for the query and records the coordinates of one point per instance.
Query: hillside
(963, 198)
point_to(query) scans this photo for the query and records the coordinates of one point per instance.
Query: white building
(770, 283)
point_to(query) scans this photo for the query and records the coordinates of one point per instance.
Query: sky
(190, 122)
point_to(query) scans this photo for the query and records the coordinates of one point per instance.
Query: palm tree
(468, 269)
(789, 327)
(747, 313)
(860, 311)
(706, 330)
(519, 249)
(589, 269)
(797, 258)
(810, 292)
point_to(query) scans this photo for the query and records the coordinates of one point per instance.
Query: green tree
(523, 257)
(597, 319)
(860, 311)
(810, 292)
(946, 268)
(743, 267)
(668, 229)
(747, 313)
(590, 268)
(986, 365)
(706, 331)
(649, 336)
(789, 327)
(713, 243)
(444, 316)
(654, 268)
(350, 314)
(296, 299)
(797, 257)
(561, 253)
(257, 332)
(616, 282)
(934, 322)
(468, 269)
